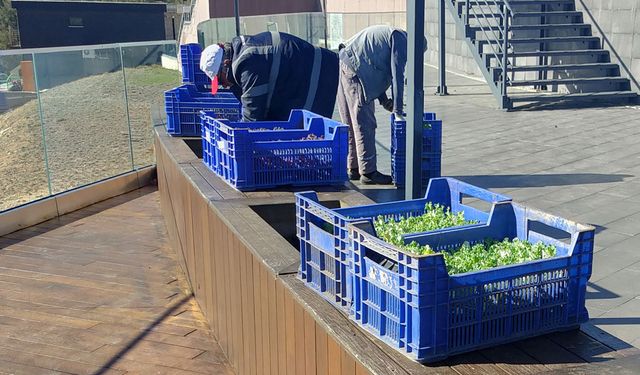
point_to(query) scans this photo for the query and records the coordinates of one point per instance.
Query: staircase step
(472, 3)
(550, 26)
(538, 68)
(566, 81)
(577, 52)
(609, 95)
(560, 53)
(547, 40)
(566, 13)
(518, 2)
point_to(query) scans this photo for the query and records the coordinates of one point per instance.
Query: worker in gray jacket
(370, 62)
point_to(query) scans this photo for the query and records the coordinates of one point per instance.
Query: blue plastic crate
(431, 167)
(252, 156)
(183, 105)
(323, 233)
(415, 306)
(431, 149)
(209, 153)
(190, 61)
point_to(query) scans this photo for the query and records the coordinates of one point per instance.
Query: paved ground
(99, 291)
(582, 164)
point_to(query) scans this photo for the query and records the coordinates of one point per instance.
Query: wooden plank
(263, 320)
(221, 295)
(227, 326)
(256, 300)
(298, 331)
(53, 363)
(607, 339)
(261, 238)
(348, 363)
(235, 313)
(337, 325)
(310, 344)
(334, 356)
(290, 333)
(188, 220)
(281, 319)
(587, 348)
(223, 189)
(272, 323)
(248, 310)
(360, 370)
(209, 271)
(322, 360)
(8, 367)
(545, 351)
(622, 366)
(473, 363)
(513, 360)
(201, 237)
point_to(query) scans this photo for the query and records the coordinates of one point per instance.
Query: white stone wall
(458, 55)
(199, 14)
(619, 22)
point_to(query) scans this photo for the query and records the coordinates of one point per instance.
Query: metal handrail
(498, 40)
(487, 17)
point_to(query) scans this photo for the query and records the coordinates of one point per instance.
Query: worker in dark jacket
(272, 73)
(370, 62)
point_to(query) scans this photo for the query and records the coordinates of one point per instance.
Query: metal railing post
(466, 16)
(415, 98)
(442, 68)
(236, 14)
(505, 55)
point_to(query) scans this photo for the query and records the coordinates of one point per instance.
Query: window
(76, 22)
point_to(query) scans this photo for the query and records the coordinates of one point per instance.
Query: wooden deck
(99, 291)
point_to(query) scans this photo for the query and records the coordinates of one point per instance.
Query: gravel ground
(86, 132)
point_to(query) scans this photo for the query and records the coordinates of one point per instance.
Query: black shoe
(376, 178)
(353, 174)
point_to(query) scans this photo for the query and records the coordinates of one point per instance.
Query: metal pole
(236, 13)
(326, 24)
(442, 67)
(415, 96)
(505, 56)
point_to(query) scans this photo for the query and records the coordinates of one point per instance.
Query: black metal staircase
(543, 46)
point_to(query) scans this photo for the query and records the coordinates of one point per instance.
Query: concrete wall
(366, 6)
(458, 55)
(617, 22)
(200, 13)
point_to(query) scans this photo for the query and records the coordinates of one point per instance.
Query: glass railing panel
(82, 98)
(23, 172)
(150, 70)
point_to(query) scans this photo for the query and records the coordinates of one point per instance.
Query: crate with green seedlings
(440, 293)
(324, 238)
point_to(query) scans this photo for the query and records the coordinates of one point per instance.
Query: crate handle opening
(475, 202)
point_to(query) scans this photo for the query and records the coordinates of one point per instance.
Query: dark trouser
(360, 116)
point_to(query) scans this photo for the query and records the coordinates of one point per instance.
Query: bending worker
(272, 73)
(370, 62)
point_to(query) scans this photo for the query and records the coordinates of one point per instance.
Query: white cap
(211, 59)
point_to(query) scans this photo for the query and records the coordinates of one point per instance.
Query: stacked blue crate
(190, 61)
(431, 149)
(183, 105)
